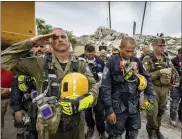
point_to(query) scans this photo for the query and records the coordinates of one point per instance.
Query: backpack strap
(74, 67)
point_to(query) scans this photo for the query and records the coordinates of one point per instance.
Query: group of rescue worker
(55, 92)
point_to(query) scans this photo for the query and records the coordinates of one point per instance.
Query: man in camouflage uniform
(160, 68)
(21, 101)
(62, 60)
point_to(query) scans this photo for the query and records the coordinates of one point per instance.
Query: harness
(128, 73)
(51, 78)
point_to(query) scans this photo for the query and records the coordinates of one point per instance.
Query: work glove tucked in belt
(72, 106)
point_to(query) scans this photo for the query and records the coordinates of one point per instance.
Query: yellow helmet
(142, 82)
(73, 85)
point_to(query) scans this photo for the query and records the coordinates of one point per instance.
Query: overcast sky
(86, 17)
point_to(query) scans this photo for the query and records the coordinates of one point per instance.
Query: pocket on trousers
(69, 122)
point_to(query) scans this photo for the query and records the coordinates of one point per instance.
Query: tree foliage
(71, 37)
(43, 28)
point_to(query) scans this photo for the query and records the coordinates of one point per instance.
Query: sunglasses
(161, 45)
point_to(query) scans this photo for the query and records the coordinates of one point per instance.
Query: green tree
(71, 37)
(42, 27)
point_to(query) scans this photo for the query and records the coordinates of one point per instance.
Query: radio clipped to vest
(43, 104)
(49, 90)
(50, 75)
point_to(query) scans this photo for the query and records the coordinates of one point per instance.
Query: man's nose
(39, 48)
(130, 54)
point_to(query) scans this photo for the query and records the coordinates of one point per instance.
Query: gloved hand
(86, 102)
(25, 82)
(22, 83)
(166, 71)
(70, 107)
(146, 105)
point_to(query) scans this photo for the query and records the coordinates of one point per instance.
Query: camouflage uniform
(4, 105)
(153, 66)
(34, 66)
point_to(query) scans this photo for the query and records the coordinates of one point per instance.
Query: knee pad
(161, 111)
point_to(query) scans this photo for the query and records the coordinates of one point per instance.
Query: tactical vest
(67, 123)
(52, 78)
(156, 65)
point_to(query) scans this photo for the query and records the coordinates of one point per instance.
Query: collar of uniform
(163, 57)
(93, 60)
(128, 60)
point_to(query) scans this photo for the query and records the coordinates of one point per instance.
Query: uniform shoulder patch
(146, 61)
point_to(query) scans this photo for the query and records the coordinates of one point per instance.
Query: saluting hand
(40, 39)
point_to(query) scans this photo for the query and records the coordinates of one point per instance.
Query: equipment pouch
(52, 123)
(69, 122)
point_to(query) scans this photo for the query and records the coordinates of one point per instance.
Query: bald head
(127, 47)
(127, 40)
